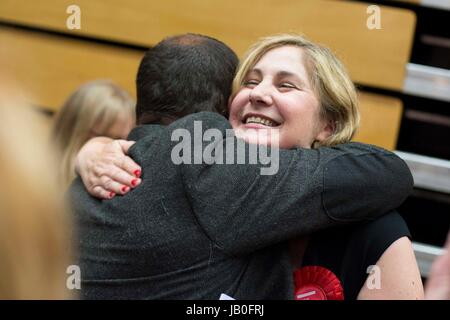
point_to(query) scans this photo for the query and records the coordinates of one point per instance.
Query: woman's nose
(261, 94)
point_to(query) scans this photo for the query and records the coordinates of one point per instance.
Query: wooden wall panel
(50, 67)
(374, 57)
(380, 120)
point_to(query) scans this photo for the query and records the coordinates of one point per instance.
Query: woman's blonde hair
(328, 77)
(96, 103)
(35, 249)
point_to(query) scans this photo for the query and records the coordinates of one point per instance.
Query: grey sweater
(194, 231)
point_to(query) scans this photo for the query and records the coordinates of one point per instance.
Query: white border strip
(425, 256)
(426, 81)
(428, 173)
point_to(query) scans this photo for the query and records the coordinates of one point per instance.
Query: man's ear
(328, 127)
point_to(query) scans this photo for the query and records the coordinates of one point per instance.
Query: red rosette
(317, 283)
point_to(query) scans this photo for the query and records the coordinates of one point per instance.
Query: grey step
(428, 173)
(426, 81)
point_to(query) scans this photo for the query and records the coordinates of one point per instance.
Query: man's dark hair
(182, 75)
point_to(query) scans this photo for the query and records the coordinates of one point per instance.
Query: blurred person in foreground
(35, 245)
(438, 283)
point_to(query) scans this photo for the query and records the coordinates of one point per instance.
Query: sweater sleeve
(242, 210)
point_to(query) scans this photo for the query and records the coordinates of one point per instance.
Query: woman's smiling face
(276, 95)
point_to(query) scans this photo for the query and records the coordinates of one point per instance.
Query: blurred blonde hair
(96, 103)
(328, 77)
(35, 248)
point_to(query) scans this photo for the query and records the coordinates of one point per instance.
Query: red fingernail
(137, 173)
(111, 194)
(134, 182)
(125, 188)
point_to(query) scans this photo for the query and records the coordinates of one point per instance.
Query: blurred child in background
(97, 108)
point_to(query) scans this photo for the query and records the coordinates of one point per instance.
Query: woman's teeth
(259, 120)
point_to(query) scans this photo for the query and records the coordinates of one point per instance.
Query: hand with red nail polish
(105, 168)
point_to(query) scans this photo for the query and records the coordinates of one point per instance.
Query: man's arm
(242, 210)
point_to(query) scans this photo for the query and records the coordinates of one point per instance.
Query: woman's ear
(327, 129)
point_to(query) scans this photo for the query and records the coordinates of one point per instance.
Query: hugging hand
(105, 168)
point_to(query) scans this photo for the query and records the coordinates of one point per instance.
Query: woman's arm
(399, 276)
(105, 168)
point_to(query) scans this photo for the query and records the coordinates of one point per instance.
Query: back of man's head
(183, 75)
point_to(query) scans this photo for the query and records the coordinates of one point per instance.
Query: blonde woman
(35, 247)
(98, 108)
(213, 229)
(307, 94)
